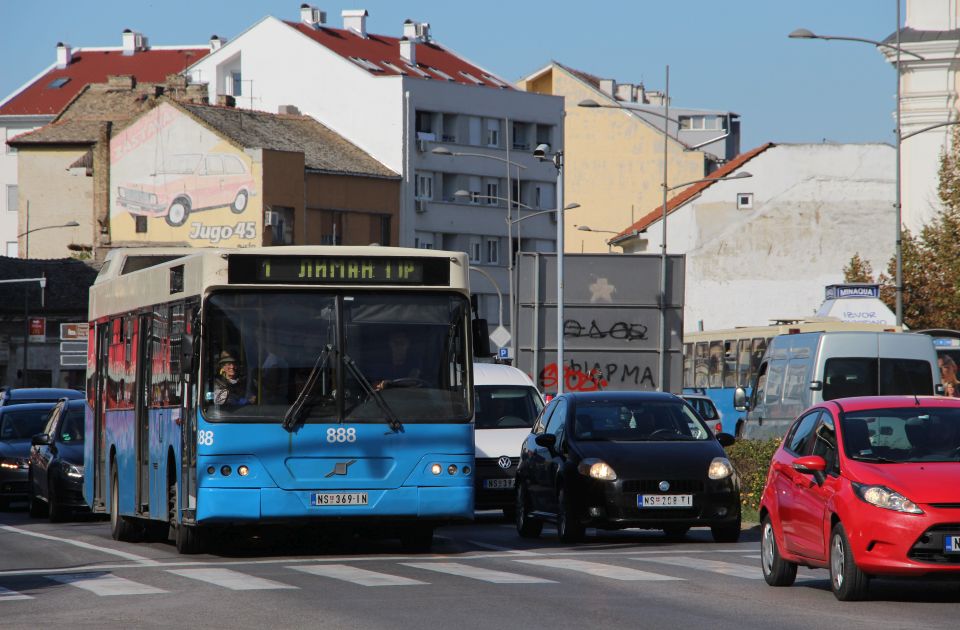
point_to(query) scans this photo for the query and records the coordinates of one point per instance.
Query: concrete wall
(814, 207)
(53, 194)
(10, 127)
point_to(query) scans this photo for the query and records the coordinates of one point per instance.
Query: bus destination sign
(378, 270)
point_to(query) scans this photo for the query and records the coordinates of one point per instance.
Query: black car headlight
(71, 471)
(14, 463)
(720, 468)
(597, 469)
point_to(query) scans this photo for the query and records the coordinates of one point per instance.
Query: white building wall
(10, 127)
(814, 207)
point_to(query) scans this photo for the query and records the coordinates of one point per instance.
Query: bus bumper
(243, 505)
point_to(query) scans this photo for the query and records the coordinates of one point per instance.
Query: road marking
(233, 580)
(601, 570)
(6, 595)
(476, 573)
(714, 566)
(362, 577)
(754, 556)
(105, 584)
(515, 552)
(77, 543)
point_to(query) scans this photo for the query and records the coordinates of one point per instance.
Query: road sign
(74, 331)
(73, 360)
(38, 329)
(500, 336)
(504, 353)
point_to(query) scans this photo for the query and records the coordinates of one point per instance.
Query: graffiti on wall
(592, 376)
(188, 183)
(624, 331)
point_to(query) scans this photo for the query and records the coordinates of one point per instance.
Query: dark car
(56, 463)
(18, 424)
(27, 395)
(615, 460)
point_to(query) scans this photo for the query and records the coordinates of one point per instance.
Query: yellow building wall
(50, 193)
(613, 164)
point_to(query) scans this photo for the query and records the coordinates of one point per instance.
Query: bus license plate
(664, 500)
(498, 484)
(339, 498)
(951, 544)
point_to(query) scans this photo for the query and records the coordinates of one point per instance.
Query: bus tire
(121, 527)
(189, 539)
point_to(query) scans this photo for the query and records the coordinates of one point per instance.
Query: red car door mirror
(810, 464)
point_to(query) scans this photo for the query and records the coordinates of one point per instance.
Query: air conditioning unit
(421, 205)
(271, 218)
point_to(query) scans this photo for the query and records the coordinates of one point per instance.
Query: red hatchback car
(865, 487)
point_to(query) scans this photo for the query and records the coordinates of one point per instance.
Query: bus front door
(144, 372)
(100, 472)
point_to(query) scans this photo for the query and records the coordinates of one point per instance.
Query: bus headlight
(436, 469)
(243, 471)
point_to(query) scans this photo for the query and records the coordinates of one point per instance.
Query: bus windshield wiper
(392, 420)
(295, 412)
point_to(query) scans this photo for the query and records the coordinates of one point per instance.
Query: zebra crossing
(511, 570)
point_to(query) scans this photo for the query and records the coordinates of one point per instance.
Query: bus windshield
(335, 357)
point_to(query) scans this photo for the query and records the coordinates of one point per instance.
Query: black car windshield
(634, 421)
(335, 356)
(506, 407)
(22, 424)
(904, 435)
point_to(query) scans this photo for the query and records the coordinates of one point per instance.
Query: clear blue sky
(722, 55)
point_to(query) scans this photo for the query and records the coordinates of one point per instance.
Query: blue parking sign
(504, 353)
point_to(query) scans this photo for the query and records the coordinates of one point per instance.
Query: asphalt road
(480, 575)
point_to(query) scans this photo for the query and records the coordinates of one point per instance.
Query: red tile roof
(93, 66)
(692, 191)
(380, 50)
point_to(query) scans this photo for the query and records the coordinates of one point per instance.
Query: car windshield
(635, 421)
(909, 434)
(704, 407)
(71, 429)
(506, 407)
(335, 356)
(22, 424)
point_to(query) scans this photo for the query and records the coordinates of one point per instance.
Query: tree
(931, 262)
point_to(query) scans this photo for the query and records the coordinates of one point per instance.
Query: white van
(801, 370)
(506, 407)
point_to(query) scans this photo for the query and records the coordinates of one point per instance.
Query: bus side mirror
(740, 402)
(186, 353)
(481, 339)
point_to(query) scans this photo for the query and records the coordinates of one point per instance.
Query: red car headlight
(885, 498)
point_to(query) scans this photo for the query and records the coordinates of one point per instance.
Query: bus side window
(716, 364)
(688, 365)
(743, 363)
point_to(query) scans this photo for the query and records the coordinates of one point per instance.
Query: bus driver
(227, 389)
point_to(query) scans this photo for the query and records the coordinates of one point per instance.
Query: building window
(385, 230)
(236, 83)
(424, 186)
(699, 123)
(282, 227)
(493, 198)
(537, 197)
(141, 223)
(423, 242)
(492, 137)
(744, 201)
(13, 198)
(11, 249)
(11, 133)
(493, 251)
(474, 250)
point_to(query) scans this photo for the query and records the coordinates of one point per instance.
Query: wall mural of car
(190, 182)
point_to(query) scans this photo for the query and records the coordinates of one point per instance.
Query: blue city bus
(716, 362)
(318, 420)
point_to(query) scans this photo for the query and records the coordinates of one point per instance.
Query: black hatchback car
(615, 460)
(18, 423)
(56, 463)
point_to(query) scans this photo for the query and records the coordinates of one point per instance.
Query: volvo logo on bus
(664, 486)
(504, 462)
(340, 468)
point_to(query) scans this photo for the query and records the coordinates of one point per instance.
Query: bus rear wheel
(189, 539)
(121, 527)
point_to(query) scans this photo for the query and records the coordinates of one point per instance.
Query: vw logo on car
(504, 462)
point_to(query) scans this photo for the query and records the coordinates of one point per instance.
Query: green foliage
(752, 458)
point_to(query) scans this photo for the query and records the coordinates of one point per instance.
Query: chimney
(64, 55)
(408, 50)
(627, 92)
(608, 87)
(288, 110)
(312, 16)
(121, 82)
(216, 43)
(225, 100)
(642, 94)
(355, 20)
(416, 31)
(132, 42)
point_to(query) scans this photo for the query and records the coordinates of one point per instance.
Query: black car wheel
(848, 582)
(776, 570)
(55, 511)
(726, 533)
(569, 527)
(527, 526)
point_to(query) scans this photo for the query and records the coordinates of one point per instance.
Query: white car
(506, 407)
(707, 410)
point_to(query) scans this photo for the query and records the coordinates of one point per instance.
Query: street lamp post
(802, 33)
(510, 202)
(28, 231)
